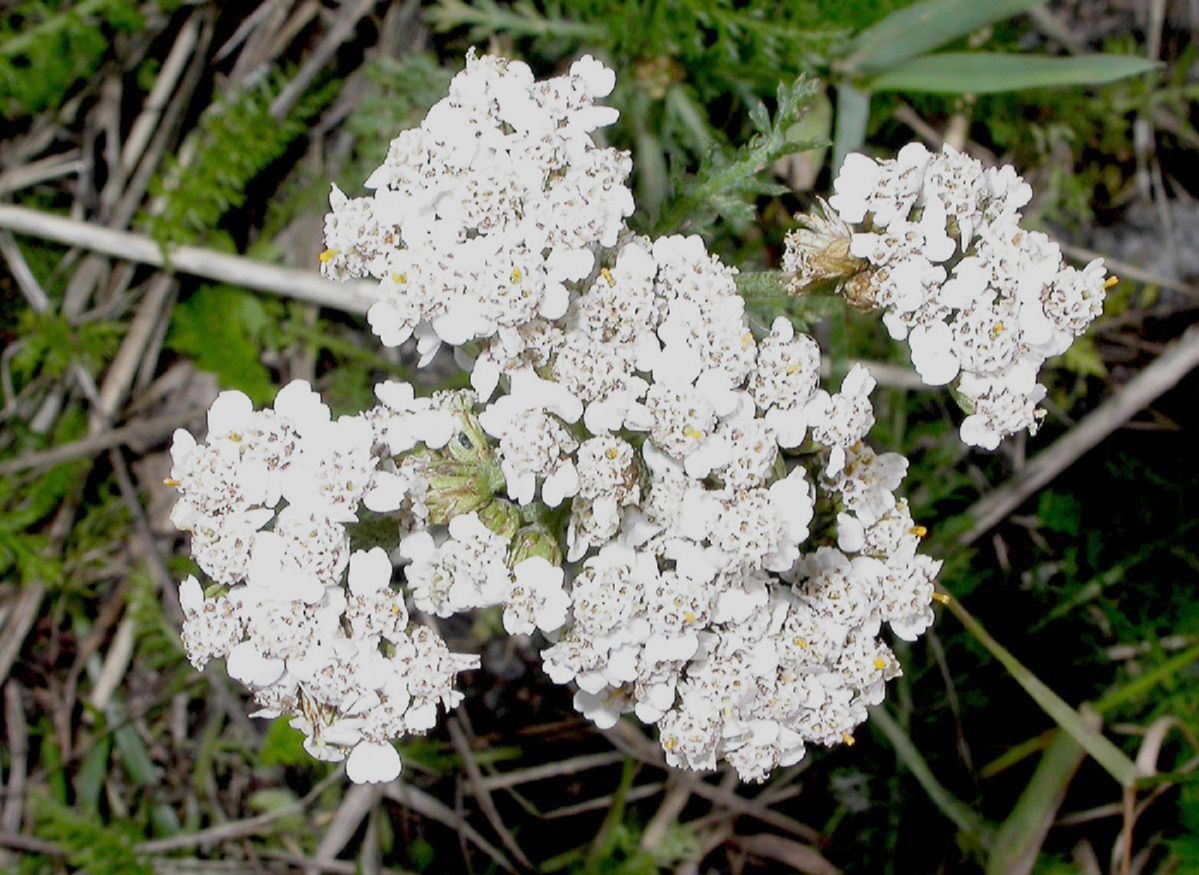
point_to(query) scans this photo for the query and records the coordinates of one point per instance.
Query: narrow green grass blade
(972, 826)
(1137, 687)
(1018, 753)
(853, 115)
(1146, 682)
(1094, 743)
(1019, 839)
(922, 27)
(990, 73)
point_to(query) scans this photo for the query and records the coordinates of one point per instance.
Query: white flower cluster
(697, 527)
(979, 299)
(704, 604)
(484, 215)
(313, 629)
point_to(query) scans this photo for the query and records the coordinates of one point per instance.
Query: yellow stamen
(793, 370)
(801, 643)
(1111, 281)
(399, 278)
(694, 433)
(997, 330)
(848, 739)
(941, 597)
(516, 274)
(880, 663)
(669, 744)
(689, 617)
(607, 275)
(918, 531)
(235, 437)
(327, 256)
(171, 484)
(611, 454)
(747, 338)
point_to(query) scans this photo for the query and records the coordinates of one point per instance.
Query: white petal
(560, 485)
(396, 394)
(191, 597)
(370, 571)
(246, 664)
(372, 762)
(386, 492)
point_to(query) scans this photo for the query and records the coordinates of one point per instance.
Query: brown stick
(303, 285)
(462, 745)
(136, 434)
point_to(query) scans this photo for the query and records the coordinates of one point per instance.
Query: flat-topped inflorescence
(485, 216)
(658, 486)
(935, 241)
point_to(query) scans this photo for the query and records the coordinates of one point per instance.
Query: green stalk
(1093, 742)
(973, 827)
(1020, 837)
(1150, 679)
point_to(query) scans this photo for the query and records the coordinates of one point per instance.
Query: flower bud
(818, 250)
(464, 475)
(535, 540)
(502, 517)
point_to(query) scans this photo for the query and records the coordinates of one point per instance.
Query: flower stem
(1110, 757)
(962, 816)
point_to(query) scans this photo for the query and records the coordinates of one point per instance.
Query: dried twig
(434, 809)
(550, 770)
(797, 857)
(42, 170)
(482, 795)
(356, 805)
(635, 794)
(677, 796)
(237, 829)
(354, 297)
(138, 434)
(1130, 271)
(347, 20)
(18, 751)
(30, 845)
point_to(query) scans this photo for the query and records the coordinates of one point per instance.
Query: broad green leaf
(653, 179)
(922, 27)
(1083, 359)
(988, 73)
(815, 127)
(283, 746)
(224, 329)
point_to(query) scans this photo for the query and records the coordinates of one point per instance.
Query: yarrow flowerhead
(701, 559)
(981, 300)
(487, 214)
(314, 629)
(638, 473)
